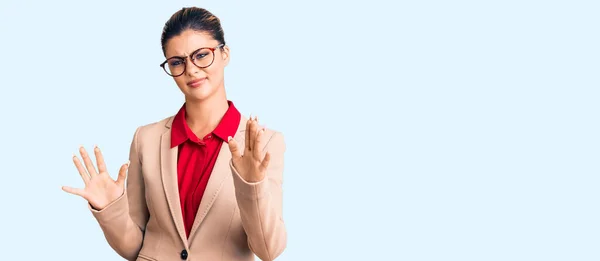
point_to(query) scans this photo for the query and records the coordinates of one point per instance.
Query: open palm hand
(100, 189)
(251, 165)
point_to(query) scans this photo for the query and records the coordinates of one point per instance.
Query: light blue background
(416, 130)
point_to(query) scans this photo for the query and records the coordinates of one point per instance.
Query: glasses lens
(203, 58)
(175, 66)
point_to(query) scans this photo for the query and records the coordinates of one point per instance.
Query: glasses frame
(185, 59)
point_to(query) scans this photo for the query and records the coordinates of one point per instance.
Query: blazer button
(184, 254)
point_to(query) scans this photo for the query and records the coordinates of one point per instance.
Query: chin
(200, 94)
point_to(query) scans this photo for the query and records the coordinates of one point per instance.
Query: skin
(205, 106)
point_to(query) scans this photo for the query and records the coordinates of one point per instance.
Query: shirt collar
(181, 132)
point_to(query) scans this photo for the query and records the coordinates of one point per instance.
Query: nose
(191, 68)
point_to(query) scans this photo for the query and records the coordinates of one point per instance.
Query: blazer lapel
(217, 177)
(168, 167)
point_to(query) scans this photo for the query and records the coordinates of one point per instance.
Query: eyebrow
(176, 56)
(184, 57)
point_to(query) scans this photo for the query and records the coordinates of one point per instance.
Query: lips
(196, 82)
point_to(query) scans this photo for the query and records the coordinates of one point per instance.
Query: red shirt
(197, 158)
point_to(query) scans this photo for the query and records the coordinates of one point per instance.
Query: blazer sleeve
(260, 204)
(124, 220)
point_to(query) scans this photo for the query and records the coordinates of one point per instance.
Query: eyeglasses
(201, 58)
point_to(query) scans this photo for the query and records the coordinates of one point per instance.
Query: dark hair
(198, 19)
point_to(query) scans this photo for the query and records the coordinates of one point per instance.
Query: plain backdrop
(416, 130)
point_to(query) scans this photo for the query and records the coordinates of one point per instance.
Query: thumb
(265, 162)
(123, 173)
(234, 148)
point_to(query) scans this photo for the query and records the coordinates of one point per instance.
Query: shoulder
(153, 129)
(275, 139)
(273, 135)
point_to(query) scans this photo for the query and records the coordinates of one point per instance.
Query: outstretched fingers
(253, 131)
(256, 151)
(247, 134)
(122, 174)
(82, 172)
(234, 148)
(265, 162)
(99, 160)
(74, 191)
(88, 162)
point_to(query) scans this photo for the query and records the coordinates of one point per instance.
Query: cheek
(215, 71)
(180, 81)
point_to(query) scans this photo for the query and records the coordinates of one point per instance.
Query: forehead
(187, 42)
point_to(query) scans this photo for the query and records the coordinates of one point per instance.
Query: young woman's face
(197, 83)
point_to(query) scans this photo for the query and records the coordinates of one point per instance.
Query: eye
(201, 54)
(175, 62)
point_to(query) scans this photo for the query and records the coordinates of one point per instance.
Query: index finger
(247, 140)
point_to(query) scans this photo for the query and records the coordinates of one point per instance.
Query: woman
(204, 184)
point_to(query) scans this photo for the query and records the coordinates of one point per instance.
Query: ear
(225, 54)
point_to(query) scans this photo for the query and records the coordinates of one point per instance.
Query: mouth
(196, 82)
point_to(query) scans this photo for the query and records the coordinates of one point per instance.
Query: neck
(203, 116)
